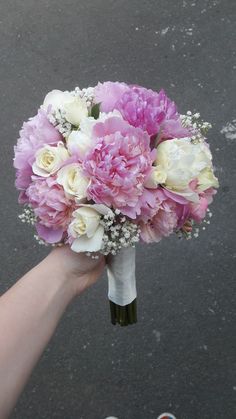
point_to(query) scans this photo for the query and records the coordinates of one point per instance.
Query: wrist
(67, 270)
(75, 272)
(58, 273)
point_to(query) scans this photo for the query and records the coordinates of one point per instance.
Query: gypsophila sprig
(87, 94)
(198, 127)
(119, 232)
(41, 242)
(57, 118)
(28, 216)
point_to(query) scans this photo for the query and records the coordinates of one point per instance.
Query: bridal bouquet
(103, 168)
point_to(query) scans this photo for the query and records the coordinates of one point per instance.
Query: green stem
(113, 312)
(123, 315)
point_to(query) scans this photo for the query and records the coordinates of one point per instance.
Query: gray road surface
(181, 356)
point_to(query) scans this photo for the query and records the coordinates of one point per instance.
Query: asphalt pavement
(181, 356)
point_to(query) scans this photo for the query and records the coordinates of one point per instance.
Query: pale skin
(30, 312)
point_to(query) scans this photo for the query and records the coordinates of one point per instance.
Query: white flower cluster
(57, 118)
(41, 241)
(87, 94)
(118, 232)
(68, 109)
(28, 216)
(198, 127)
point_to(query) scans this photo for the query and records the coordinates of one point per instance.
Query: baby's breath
(119, 232)
(57, 118)
(191, 230)
(196, 125)
(87, 94)
(41, 241)
(28, 216)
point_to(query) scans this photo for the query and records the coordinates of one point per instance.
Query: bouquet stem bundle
(123, 315)
(122, 287)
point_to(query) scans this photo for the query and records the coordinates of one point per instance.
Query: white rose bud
(79, 143)
(56, 99)
(49, 159)
(75, 110)
(86, 228)
(73, 180)
(73, 107)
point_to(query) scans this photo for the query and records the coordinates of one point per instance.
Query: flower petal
(50, 235)
(85, 244)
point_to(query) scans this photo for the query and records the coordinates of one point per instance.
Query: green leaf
(95, 111)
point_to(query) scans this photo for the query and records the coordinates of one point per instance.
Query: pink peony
(182, 206)
(170, 213)
(118, 165)
(108, 94)
(51, 206)
(183, 214)
(151, 111)
(163, 223)
(208, 194)
(147, 205)
(34, 134)
(23, 177)
(143, 108)
(198, 210)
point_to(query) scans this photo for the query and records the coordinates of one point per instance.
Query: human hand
(79, 270)
(31, 310)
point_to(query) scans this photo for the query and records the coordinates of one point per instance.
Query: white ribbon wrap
(121, 277)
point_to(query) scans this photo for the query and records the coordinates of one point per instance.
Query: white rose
(182, 162)
(157, 176)
(73, 181)
(49, 159)
(73, 107)
(86, 228)
(75, 110)
(80, 142)
(207, 179)
(56, 99)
